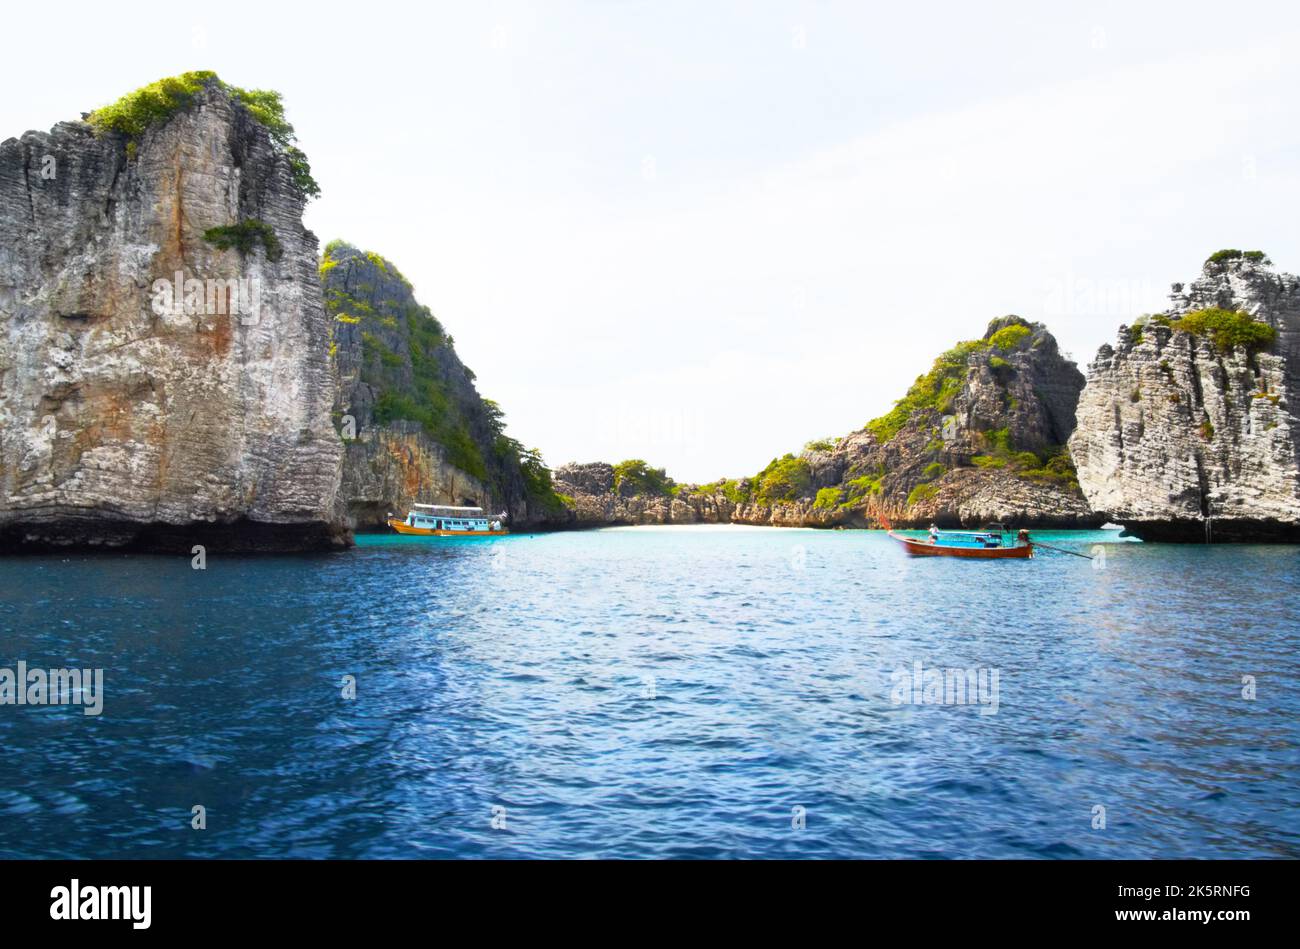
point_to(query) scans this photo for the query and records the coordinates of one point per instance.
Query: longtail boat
(983, 545)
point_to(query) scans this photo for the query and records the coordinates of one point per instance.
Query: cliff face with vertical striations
(1187, 427)
(416, 430)
(140, 414)
(979, 438)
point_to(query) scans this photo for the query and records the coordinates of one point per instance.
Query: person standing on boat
(934, 534)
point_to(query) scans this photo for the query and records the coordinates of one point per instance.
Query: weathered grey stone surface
(121, 427)
(1180, 441)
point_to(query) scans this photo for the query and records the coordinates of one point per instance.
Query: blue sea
(683, 692)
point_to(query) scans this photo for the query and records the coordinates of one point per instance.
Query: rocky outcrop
(156, 390)
(596, 501)
(414, 426)
(979, 438)
(1186, 437)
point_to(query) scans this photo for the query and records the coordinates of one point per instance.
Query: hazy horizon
(705, 247)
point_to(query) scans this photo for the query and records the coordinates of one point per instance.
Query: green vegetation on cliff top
(936, 390)
(151, 105)
(1226, 329)
(1231, 253)
(1009, 338)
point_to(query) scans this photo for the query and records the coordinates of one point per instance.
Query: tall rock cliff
(1187, 427)
(981, 437)
(164, 369)
(415, 427)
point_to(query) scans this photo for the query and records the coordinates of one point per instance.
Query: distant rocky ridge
(980, 438)
(414, 426)
(1187, 427)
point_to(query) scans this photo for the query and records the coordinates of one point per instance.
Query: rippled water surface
(657, 692)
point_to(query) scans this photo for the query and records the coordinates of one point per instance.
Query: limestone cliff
(164, 369)
(414, 425)
(979, 438)
(1187, 427)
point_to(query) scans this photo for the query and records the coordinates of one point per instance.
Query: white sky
(705, 233)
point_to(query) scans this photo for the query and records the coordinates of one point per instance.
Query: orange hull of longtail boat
(925, 548)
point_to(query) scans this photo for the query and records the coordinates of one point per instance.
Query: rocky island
(180, 365)
(981, 437)
(1187, 427)
(164, 370)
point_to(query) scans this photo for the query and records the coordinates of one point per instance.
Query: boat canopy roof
(473, 511)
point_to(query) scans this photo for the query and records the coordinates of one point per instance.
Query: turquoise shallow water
(658, 692)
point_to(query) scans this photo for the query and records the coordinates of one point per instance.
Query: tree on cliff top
(151, 105)
(1221, 257)
(1227, 329)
